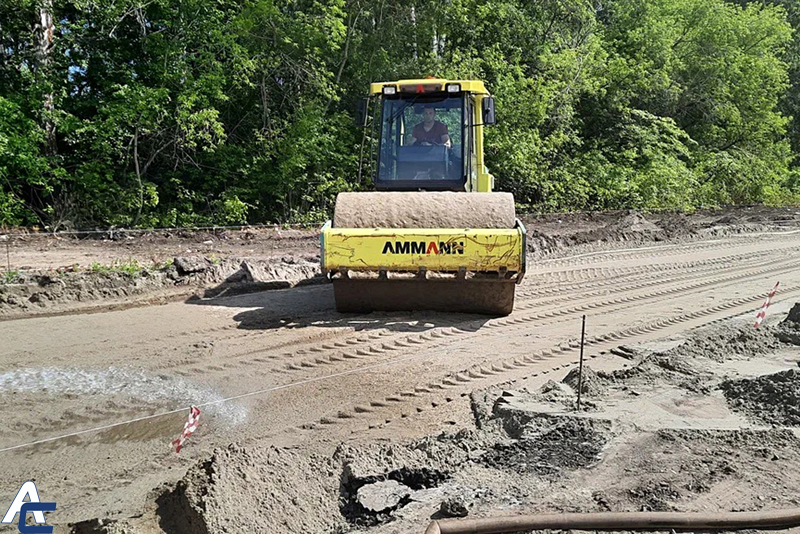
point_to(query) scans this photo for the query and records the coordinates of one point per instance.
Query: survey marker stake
(188, 428)
(580, 364)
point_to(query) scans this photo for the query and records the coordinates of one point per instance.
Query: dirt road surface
(91, 402)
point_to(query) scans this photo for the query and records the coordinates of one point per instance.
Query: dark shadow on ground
(310, 303)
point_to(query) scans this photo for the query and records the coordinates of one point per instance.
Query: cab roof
(425, 85)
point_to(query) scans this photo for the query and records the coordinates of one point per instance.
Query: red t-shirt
(434, 135)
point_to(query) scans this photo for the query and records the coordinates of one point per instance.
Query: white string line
(211, 403)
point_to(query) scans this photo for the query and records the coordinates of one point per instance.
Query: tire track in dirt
(190, 357)
(536, 282)
(363, 347)
(382, 344)
(480, 371)
(356, 347)
(683, 270)
(538, 301)
(437, 393)
(667, 250)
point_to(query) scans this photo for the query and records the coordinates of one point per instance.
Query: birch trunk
(45, 32)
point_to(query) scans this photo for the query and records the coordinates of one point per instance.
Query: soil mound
(720, 343)
(772, 399)
(661, 368)
(553, 391)
(794, 316)
(653, 368)
(788, 330)
(676, 225)
(281, 491)
(592, 386)
(570, 443)
(630, 227)
(55, 290)
(725, 342)
(538, 242)
(664, 470)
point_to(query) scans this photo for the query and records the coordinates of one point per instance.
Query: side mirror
(361, 112)
(488, 110)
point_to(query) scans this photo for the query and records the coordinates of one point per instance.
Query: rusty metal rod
(776, 519)
(580, 365)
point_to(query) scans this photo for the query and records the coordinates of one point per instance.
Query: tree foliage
(166, 112)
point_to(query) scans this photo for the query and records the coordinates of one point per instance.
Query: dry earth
(314, 421)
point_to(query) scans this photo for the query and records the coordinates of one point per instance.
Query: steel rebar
(580, 364)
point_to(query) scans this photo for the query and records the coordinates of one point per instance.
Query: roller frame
(470, 250)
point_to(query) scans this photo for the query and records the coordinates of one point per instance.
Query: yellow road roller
(433, 235)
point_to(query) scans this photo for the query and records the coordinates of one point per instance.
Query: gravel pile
(772, 399)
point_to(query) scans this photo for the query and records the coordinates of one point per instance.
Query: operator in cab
(430, 131)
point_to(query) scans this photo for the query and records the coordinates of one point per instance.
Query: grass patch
(130, 267)
(9, 277)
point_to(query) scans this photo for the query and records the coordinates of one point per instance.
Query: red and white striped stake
(763, 311)
(188, 428)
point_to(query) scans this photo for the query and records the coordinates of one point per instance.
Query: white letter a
(29, 489)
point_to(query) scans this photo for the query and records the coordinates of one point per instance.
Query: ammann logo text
(423, 247)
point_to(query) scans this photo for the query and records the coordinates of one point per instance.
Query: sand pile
(726, 342)
(772, 399)
(788, 330)
(666, 469)
(255, 490)
(568, 443)
(719, 344)
(629, 227)
(592, 386)
(652, 368)
(53, 290)
(676, 225)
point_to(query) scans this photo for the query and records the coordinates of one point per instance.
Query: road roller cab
(433, 236)
(405, 163)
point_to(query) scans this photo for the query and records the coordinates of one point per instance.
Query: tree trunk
(350, 29)
(138, 177)
(414, 26)
(45, 31)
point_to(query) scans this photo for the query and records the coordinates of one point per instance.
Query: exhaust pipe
(610, 521)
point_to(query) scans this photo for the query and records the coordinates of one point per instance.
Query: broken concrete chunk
(381, 496)
(191, 264)
(454, 507)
